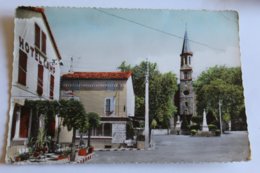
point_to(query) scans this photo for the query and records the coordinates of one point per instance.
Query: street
(173, 148)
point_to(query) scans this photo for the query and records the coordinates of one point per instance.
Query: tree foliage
(94, 122)
(162, 87)
(74, 118)
(221, 83)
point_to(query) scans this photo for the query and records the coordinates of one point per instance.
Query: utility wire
(156, 29)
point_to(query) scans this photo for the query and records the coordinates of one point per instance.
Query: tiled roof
(41, 11)
(97, 75)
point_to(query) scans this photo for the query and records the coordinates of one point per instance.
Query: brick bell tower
(186, 107)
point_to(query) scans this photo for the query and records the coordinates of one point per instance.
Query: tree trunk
(58, 133)
(89, 133)
(73, 148)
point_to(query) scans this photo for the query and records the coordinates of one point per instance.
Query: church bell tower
(186, 107)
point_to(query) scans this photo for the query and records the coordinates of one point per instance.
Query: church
(185, 97)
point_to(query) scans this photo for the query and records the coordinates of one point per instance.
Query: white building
(36, 72)
(110, 95)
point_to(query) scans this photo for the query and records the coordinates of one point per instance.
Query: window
(51, 87)
(107, 129)
(186, 92)
(185, 75)
(24, 122)
(40, 80)
(40, 39)
(109, 105)
(22, 67)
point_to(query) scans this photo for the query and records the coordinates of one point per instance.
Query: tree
(94, 122)
(124, 67)
(221, 83)
(74, 118)
(48, 109)
(162, 87)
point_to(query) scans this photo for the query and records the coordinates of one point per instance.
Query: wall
(94, 100)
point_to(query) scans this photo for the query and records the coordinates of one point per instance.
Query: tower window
(185, 75)
(186, 92)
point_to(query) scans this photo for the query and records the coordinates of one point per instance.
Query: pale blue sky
(101, 40)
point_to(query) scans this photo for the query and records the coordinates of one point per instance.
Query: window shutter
(22, 67)
(51, 87)
(43, 47)
(40, 80)
(37, 36)
(14, 121)
(24, 122)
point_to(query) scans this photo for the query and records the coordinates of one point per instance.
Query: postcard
(97, 85)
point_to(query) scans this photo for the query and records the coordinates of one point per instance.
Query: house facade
(110, 95)
(36, 73)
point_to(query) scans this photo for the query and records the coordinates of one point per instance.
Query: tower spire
(186, 46)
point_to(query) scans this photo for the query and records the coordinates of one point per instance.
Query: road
(174, 148)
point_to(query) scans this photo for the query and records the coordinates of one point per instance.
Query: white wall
(24, 28)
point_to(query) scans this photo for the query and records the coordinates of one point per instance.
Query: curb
(121, 149)
(85, 158)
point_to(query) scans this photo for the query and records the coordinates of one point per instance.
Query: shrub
(193, 132)
(195, 126)
(217, 132)
(212, 127)
(196, 119)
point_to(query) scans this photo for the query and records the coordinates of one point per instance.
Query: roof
(97, 75)
(41, 11)
(186, 46)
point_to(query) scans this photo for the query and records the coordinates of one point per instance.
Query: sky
(100, 39)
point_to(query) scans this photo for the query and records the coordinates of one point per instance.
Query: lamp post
(220, 117)
(146, 129)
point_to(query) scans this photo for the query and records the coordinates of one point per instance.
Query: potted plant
(91, 149)
(82, 151)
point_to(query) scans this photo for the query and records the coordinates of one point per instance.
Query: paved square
(172, 148)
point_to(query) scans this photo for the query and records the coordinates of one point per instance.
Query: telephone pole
(146, 129)
(220, 117)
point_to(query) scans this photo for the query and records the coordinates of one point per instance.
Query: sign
(118, 133)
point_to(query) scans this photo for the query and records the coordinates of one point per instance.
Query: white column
(146, 130)
(17, 123)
